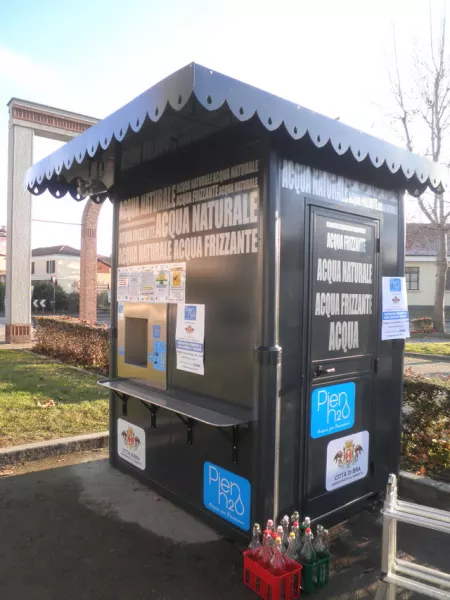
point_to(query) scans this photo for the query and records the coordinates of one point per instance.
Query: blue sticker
(159, 356)
(332, 409)
(395, 284)
(190, 313)
(121, 350)
(156, 331)
(228, 495)
(120, 308)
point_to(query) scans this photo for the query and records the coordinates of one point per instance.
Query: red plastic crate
(268, 586)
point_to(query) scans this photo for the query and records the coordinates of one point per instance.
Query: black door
(342, 317)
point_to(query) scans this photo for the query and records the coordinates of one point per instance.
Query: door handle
(324, 371)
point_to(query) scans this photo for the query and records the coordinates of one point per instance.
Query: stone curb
(443, 357)
(424, 490)
(38, 450)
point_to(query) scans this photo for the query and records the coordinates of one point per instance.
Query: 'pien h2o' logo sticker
(227, 494)
(332, 409)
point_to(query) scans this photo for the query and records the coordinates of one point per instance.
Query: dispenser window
(136, 341)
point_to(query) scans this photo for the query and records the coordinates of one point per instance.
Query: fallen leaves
(5, 472)
(47, 404)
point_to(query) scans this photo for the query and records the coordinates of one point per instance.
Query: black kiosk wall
(248, 375)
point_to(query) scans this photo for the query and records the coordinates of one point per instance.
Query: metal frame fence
(401, 573)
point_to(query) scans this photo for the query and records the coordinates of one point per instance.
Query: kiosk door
(342, 317)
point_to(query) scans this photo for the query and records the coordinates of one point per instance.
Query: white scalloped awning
(214, 91)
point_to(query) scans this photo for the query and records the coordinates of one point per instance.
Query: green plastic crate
(316, 575)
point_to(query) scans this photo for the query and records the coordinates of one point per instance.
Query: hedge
(73, 340)
(426, 424)
(426, 401)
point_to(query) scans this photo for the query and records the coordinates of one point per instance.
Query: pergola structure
(27, 119)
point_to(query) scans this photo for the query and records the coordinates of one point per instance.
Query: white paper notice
(347, 460)
(134, 284)
(122, 284)
(190, 337)
(131, 443)
(177, 283)
(395, 322)
(161, 283)
(148, 284)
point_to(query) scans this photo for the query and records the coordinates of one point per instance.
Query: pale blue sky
(93, 56)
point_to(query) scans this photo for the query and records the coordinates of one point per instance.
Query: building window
(50, 266)
(412, 278)
(32, 268)
(447, 282)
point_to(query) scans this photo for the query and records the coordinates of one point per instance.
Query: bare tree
(427, 107)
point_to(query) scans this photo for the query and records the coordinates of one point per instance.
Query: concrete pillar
(88, 262)
(18, 254)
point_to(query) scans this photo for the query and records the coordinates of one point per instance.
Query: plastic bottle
(291, 556)
(307, 555)
(295, 517)
(277, 564)
(265, 553)
(320, 547)
(270, 525)
(255, 545)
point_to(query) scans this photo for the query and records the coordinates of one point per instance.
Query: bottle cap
(292, 535)
(295, 524)
(308, 530)
(257, 526)
(278, 540)
(270, 522)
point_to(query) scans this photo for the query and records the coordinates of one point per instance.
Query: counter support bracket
(124, 399)
(190, 427)
(153, 410)
(237, 433)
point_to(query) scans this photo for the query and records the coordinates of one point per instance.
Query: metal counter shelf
(187, 411)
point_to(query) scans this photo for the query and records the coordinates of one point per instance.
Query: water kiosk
(248, 374)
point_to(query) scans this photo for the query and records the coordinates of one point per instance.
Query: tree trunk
(441, 276)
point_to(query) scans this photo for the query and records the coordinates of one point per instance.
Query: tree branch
(425, 210)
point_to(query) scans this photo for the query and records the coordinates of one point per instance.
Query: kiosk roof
(195, 102)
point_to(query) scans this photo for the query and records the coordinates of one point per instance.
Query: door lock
(323, 371)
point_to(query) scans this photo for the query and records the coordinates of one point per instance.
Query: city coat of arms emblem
(349, 454)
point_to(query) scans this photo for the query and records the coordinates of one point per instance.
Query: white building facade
(63, 262)
(420, 269)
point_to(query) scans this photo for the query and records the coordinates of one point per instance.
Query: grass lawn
(428, 348)
(27, 380)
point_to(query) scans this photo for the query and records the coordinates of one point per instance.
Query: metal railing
(401, 573)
